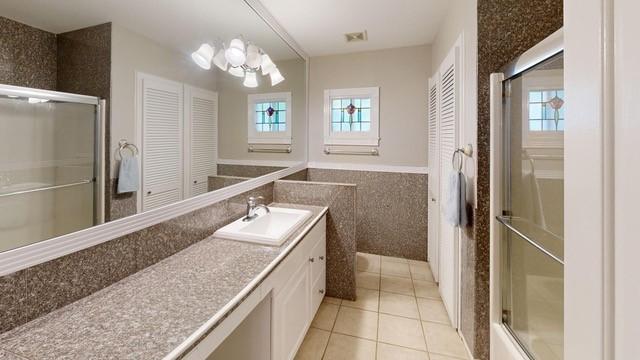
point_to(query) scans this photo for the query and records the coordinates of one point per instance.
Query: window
(269, 118)
(546, 110)
(351, 116)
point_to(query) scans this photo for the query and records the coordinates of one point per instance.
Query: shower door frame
(503, 343)
(99, 131)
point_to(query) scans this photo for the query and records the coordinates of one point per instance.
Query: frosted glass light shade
(253, 57)
(267, 65)
(235, 53)
(276, 77)
(250, 79)
(203, 56)
(236, 71)
(220, 60)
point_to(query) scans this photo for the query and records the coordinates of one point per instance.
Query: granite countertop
(150, 313)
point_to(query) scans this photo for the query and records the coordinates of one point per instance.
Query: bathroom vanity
(217, 299)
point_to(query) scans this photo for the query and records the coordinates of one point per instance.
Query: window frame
(268, 137)
(364, 138)
(543, 81)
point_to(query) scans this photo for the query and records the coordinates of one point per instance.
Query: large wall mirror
(109, 110)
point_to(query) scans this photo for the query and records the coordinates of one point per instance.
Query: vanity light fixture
(241, 58)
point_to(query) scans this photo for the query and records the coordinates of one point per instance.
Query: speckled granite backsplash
(249, 171)
(505, 30)
(36, 291)
(391, 210)
(341, 228)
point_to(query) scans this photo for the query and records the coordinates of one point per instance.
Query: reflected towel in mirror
(129, 176)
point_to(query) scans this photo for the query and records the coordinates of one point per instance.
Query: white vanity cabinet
(302, 275)
(288, 297)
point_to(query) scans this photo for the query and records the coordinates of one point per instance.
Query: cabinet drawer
(318, 290)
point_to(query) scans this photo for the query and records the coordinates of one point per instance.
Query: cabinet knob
(321, 291)
(321, 257)
(311, 259)
(148, 192)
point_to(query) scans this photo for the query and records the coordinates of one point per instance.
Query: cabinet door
(291, 314)
(201, 139)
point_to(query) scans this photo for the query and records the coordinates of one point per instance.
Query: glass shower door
(532, 264)
(48, 167)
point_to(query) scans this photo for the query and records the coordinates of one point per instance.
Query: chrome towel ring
(124, 144)
(467, 151)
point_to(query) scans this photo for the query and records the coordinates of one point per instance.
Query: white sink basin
(268, 229)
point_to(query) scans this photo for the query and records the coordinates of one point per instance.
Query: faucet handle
(254, 200)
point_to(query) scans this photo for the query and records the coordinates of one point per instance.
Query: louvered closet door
(433, 189)
(447, 132)
(162, 117)
(202, 122)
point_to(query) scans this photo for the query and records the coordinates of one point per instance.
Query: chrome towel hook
(467, 151)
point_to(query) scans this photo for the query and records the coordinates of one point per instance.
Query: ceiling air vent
(356, 36)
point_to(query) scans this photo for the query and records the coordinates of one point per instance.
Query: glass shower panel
(533, 221)
(47, 169)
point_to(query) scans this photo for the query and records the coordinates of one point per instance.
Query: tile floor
(398, 315)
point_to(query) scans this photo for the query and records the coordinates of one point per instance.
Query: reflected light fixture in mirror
(235, 54)
(236, 71)
(239, 60)
(250, 80)
(203, 56)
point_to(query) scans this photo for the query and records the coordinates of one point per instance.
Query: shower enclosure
(51, 179)
(528, 201)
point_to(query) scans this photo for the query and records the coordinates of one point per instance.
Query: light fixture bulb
(235, 53)
(250, 80)
(203, 56)
(220, 60)
(253, 57)
(236, 71)
(276, 77)
(267, 65)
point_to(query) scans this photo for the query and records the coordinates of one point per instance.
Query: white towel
(455, 211)
(129, 177)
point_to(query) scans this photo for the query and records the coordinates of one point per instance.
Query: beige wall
(233, 121)
(402, 75)
(131, 52)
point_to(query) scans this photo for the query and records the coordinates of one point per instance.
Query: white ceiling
(179, 24)
(319, 26)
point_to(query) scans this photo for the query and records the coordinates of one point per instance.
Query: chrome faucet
(252, 206)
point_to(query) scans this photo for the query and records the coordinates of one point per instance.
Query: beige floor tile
(443, 339)
(394, 259)
(400, 331)
(357, 322)
(426, 289)
(433, 356)
(368, 262)
(368, 280)
(392, 352)
(398, 304)
(421, 272)
(433, 310)
(365, 299)
(395, 269)
(344, 347)
(325, 316)
(313, 346)
(418, 262)
(398, 285)
(332, 300)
